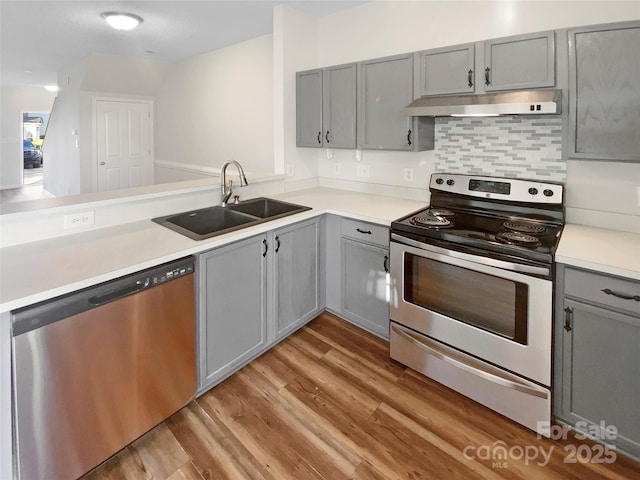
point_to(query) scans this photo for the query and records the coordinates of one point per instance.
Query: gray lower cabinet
(597, 357)
(232, 302)
(604, 92)
(254, 292)
(357, 263)
(519, 62)
(385, 89)
(297, 275)
(365, 290)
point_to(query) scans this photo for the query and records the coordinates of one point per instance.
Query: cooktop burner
(524, 227)
(429, 220)
(518, 238)
(441, 212)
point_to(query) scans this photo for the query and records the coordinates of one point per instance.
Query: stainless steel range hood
(524, 102)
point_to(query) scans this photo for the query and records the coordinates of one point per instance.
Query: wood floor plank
(328, 403)
(260, 414)
(214, 451)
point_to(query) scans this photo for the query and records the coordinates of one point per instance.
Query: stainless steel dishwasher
(95, 369)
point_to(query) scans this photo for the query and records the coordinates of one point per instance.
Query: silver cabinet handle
(487, 77)
(475, 370)
(623, 296)
(470, 78)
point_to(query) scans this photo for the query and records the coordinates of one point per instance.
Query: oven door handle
(490, 262)
(477, 369)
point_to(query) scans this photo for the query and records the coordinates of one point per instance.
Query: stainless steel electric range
(471, 277)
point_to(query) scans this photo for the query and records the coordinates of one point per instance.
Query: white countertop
(41, 270)
(599, 249)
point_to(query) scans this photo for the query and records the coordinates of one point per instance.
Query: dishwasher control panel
(170, 274)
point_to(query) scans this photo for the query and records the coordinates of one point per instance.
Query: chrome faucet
(226, 190)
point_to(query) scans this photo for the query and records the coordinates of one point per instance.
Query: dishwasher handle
(140, 285)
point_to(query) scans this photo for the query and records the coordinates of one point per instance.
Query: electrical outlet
(337, 169)
(363, 171)
(289, 169)
(83, 219)
(329, 153)
(408, 174)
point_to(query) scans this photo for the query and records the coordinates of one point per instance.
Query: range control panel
(512, 189)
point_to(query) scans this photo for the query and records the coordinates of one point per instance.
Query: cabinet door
(520, 62)
(232, 308)
(446, 70)
(297, 275)
(339, 106)
(600, 371)
(365, 286)
(604, 79)
(309, 108)
(386, 87)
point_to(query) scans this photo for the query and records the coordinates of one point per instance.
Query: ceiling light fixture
(51, 88)
(122, 21)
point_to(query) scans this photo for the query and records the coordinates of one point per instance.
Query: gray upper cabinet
(232, 308)
(339, 106)
(519, 62)
(309, 108)
(297, 273)
(326, 107)
(604, 89)
(444, 71)
(386, 88)
(597, 351)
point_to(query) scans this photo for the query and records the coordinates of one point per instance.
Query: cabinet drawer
(603, 289)
(365, 232)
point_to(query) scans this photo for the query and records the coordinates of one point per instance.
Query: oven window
(491, 303)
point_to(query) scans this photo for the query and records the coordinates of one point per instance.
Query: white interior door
(124, 139)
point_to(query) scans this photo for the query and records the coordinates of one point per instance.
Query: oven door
(481, 306)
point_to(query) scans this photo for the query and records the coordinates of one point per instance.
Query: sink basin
(206, 222)
(267, 208)
(212, 221)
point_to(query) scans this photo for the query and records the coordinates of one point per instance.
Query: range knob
(439, 181)
(548, 193)
(533, 191)
(450, 182)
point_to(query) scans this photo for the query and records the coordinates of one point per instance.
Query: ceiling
(39, 38)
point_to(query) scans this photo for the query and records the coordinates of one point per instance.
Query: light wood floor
(328, 403)
(32, 189)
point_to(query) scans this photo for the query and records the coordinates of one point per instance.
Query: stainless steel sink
(267, 208)
(212, 221)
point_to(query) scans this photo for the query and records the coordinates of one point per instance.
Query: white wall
(62, 144)
(382, 28)
(219, 106)
(15, 101)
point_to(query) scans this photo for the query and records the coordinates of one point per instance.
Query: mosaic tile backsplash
(511, 146)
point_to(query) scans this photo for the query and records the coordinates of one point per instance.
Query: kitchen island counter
(599, 249)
